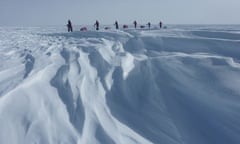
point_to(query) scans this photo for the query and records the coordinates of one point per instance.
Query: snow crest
(171, 86)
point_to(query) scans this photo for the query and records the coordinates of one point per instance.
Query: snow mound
(173, 86)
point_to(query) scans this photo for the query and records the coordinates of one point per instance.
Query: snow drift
(174, 86)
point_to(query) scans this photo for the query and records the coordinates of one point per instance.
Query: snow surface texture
(174, 86)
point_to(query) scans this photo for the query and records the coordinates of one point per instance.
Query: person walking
(149, 25)
(135, 24)
(116, 24)
(96, 25)
(69, 26)
(160, 24)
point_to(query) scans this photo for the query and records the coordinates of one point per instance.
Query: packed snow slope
(171, 86)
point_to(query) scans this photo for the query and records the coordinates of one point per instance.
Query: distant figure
(160, 24)
(135, 24)
(116, 24)
(96, 25)
(69, 25)
(149, 25)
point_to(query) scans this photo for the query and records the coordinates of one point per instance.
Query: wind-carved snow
(171, 86)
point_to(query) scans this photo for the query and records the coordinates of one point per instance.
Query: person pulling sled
(160, 24)
(69, 26)
(135, 24)
(149, 25)
(116, 24)
(96, 25)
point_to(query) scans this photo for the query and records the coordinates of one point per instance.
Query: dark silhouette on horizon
(96, 25)
(135, 24)
(149, 25)
(160, 24)
(69, 26)
(116, 24)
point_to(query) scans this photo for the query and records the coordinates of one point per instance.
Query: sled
(107, 28)
(125, 26)
(83, 29)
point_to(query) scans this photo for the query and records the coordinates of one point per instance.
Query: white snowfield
(179, 85)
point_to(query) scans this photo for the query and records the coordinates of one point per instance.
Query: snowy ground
(174, 86)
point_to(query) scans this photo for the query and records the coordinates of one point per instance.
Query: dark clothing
(149, 25)
(135, 24)
(116, 24)
(96, 25)
(160, 24)
(69, 25)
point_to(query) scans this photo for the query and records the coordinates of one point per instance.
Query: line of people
(96, 25)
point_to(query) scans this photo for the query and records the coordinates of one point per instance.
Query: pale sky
(57, 12)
